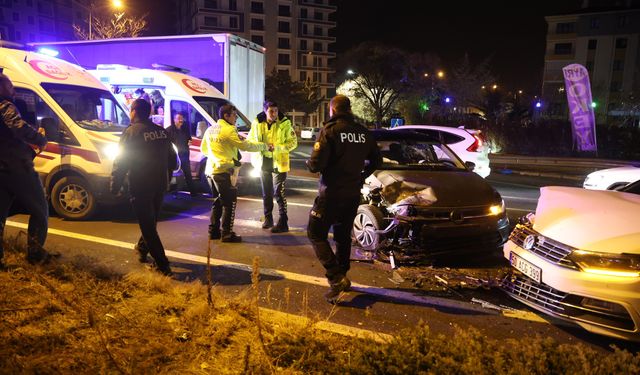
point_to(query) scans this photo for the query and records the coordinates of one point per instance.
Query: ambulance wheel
(367, 222)
(72, 198)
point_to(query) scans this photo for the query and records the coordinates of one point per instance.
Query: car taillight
(476, 144)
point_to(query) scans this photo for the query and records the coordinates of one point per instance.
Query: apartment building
(606, 40)
(25, 21)
(295, 33)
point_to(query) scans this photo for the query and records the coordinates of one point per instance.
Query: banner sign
(576, 80)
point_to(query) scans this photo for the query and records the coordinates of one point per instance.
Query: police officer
(18, 178)
(147, 156)
(273, 128)
(345, 154)
(220, 144)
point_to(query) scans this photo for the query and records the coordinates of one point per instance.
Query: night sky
(511, 33)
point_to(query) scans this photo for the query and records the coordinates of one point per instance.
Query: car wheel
(367, 222)
(72, 198)
(313, 138)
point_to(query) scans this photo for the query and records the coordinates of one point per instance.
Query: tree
(301, 96)
(360, 106)
(120, 26)
(465, 82)
(381, 76)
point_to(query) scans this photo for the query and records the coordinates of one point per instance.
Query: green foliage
(381, 76)
(290, 95)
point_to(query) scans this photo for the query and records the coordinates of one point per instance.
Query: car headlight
(625, 265)
(497, 209)
(111, 151)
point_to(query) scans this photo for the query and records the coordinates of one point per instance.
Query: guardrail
(559, 167)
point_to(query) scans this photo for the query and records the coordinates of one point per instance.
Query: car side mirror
(470, 165)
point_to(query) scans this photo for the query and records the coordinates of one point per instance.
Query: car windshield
(419, 155)
(90, 108)
(211, 106)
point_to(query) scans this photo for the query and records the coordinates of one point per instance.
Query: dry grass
(79, 318)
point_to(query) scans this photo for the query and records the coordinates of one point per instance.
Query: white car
(612, 178)
(468, 144)
(310, 133)
(578, 259)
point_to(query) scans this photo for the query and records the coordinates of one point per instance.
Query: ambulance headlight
(111, 151)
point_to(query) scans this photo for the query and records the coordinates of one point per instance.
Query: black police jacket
(147, 156)
(15, 137)
(345, 154)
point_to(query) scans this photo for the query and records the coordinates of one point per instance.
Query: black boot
(281, 227)
(335, 289)
(214, 233)
(231, 237)
(141, 249)
(268, 222)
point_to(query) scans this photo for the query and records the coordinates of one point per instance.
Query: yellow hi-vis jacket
(281, 135)
(220, 145)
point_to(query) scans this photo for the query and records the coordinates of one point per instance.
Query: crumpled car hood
(441, 189)
(593, 220)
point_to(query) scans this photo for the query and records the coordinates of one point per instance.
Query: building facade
(295, 33)
(25, 21)
(607, 43)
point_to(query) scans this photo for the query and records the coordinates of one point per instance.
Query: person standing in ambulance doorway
(18, 179)
(180, 135)
(220, 144)
(148, 158)
(273, 128)
(345, 154)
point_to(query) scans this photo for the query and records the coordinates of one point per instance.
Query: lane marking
(305, 190)
(519, 209)
(288, 203)
(391, 294)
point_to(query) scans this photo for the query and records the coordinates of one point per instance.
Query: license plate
(525, 267)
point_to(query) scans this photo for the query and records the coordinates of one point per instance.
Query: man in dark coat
(18, 179)
(345, 154)
(147, 157)
(181, 137)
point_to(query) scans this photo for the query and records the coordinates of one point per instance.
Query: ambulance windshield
(90, 108)
(211, 105)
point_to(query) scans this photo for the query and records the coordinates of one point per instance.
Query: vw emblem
(456, 216)
(529, 242)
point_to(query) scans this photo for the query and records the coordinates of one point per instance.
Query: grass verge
(77, 317)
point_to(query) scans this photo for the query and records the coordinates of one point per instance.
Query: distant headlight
(497, 209)
(625, 265)
(111, 151)
(255, 173)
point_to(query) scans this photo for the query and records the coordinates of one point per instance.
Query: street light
(117, 4)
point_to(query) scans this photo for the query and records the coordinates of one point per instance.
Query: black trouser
(269, 189)
(339, 213)
(147, 209)
(23, 185)
(223, 210)
(185, 166)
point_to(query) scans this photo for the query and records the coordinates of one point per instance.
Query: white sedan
(612, 179)
(578, 259)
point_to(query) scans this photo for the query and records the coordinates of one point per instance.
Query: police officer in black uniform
(345, 154)
(147, 156)
(18, 179)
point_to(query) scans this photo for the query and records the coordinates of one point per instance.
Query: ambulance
(170, 91)
(82, 120)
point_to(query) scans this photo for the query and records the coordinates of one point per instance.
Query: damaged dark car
(424, 202)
